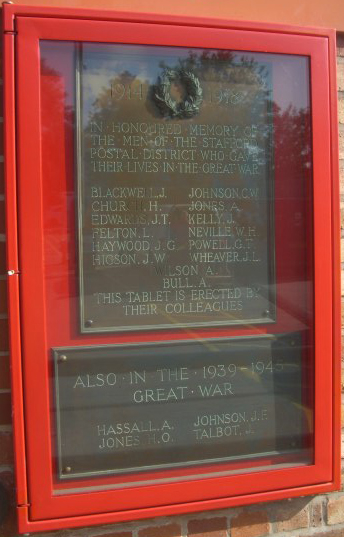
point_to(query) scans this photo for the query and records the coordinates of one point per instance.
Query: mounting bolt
(62, 358)
(67, 470)
(88, 323)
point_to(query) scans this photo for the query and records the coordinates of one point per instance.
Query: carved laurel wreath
(168, 106)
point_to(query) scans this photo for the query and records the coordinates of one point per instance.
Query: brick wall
(321, 516)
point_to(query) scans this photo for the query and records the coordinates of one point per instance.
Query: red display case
(173, 261)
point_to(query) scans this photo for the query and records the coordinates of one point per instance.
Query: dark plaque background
(175, 213)
(149, 406)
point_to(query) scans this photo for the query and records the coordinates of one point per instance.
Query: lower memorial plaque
(130, 408)
(175, 187)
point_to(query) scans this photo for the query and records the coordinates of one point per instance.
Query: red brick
(316, 515)
(6, 451)
(341, 100)
(341, 141)
(7, 479)
(341, 177)
(290, 516)
(340, 74)
(1, 124)
(335, 510)
(5, 382)
(340, 45)
(3, 298)
(325, 533)
(3, 335)
(2, 213)
(170, 530)
(342, 239)
(2, 258)
(116, 534)
(5, 409)
(250, 524)
(2, 176)
(9, 526)
(208, 527)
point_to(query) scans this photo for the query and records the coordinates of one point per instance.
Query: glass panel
(177, 195)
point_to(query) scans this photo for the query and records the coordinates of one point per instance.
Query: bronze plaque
(175, 188)
(129, 408)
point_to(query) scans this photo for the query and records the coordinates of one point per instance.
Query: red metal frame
(39, 509)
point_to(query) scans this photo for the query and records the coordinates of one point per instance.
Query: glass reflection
(192, 198)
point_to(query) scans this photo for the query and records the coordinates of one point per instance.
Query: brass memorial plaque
(175, 187)
(129, 408)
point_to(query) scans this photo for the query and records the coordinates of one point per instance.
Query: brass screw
(67, 470)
